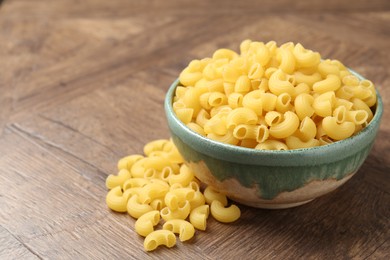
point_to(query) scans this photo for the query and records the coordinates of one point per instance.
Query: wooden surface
(82, 84)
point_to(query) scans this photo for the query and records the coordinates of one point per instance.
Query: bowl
(271, 179)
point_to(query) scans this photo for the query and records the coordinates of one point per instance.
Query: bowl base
(273, 206)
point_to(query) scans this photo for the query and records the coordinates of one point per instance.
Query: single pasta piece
(181, 212)
(158, 238)
(211, 194)
(337, 131)
(252, 100)
(358, 117)
(307, 129)
(184, 177)
(309, 80)
(304, 57)
(287, 127)
(294, 142)
(197, 200)
(227, 138)
(145, 223)
(279, 83)
(157, 145)
(235, 100)
(199, 215)
(128, 161)
(117, 200)
(303, 105)
(118, 180)
(287, 60)
(283, 103)
(331, 83)
(241, 115)
(324, 103)
(137, 209)
(272, 145)
(135, 182)
(182, 227)
(222, 214)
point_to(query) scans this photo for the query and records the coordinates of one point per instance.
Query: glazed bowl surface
(272, 179)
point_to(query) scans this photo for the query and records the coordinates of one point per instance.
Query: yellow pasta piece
(211, 194)
(137, 209)
(182, 227)
(128, 161)
(358, 104)
(217, 125)
(304, 57)
(337, 131)
(116, 200)
(283, 103)
(152, 191)
(176, 196)
(285, 128)
(358, 117)
(184, 177)
(307, 129)
(181, 212)
(340, 114)
(324, 103)
(135, 182)
(117, 180)
(303, 105)
(252, 100)
(158, 238)
(145, 223)
(301, 77)
(326, 68)
(272, 145)
(294, 142)
(287, 60)
(196, 128)
(199, 215)
(331, 83)
(268, 101)
(157, 145)
(256, 71)
(222, 214)
(241, 115)
(224, 54)
(279, 83)
(197, 200)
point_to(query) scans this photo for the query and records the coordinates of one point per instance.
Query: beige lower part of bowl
(250, 196)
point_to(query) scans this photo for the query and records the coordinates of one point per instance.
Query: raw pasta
(160, 186)
(228, 96)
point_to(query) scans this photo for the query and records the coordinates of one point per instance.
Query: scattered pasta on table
(160, 187)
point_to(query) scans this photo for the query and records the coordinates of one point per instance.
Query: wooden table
(82, 84)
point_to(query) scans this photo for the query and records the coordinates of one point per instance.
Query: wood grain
(82, 84)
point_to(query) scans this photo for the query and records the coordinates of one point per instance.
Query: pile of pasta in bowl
(266, 97)
(274, 98)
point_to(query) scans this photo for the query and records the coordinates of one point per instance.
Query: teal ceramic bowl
(271, 179)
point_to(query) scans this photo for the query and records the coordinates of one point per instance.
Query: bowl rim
(314, 155)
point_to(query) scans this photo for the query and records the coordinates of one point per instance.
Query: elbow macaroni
(222, 214)
(184, 228)
(264, 78)
(158, 238)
